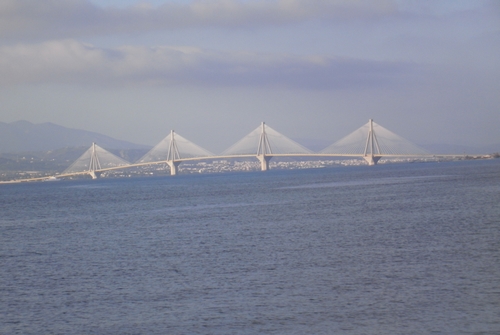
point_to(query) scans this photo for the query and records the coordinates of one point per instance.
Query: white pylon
(94, 162)
(371, 143)
(172, 155)
(264, 149)
(173, 151)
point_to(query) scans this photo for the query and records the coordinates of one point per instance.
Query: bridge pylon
(173, 155)
(172, 150)
(265, 143)
(372, 152)
(94, 162)
(372, 142)
(264, 149)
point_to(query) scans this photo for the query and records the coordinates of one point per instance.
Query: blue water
(390, 249)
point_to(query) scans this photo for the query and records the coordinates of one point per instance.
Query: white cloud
(424, 62)
(69, 61)
(54, 19)
(48, 62)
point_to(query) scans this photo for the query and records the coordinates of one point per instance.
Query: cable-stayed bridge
(370, 142)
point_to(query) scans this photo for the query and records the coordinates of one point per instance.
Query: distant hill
(24, 136)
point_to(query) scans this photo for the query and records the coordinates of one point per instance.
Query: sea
(386, 249)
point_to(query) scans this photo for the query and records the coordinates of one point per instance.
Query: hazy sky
(429, 70)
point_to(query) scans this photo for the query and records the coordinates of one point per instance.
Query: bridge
(370, 142)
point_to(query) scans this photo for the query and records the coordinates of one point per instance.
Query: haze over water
(390, 249)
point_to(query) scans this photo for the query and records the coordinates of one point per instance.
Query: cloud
(70, 61)
(54, 19)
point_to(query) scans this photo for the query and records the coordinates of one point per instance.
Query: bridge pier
(372, 160)
(264, 162)
(174, 167)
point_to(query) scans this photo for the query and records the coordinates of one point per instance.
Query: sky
(213, 70)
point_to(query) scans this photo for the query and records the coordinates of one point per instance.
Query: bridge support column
(174, 167)
(94, 162)
(264, 162)
(372, 160)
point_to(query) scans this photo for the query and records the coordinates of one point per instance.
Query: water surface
(390, 249)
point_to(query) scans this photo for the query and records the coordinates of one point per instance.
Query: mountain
(23, 136)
